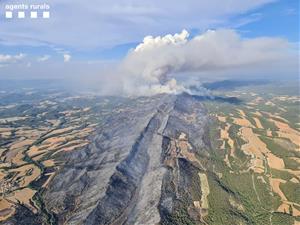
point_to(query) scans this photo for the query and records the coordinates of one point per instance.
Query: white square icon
(33, 15)
(8, 14)
(46, 14)
(21, 14)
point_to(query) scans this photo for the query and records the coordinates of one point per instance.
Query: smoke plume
(151, 67)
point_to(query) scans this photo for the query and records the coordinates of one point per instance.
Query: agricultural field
(36, 129)
(254, 163)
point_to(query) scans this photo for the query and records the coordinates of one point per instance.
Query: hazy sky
(86, 37)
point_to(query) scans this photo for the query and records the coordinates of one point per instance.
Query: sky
(83, 38)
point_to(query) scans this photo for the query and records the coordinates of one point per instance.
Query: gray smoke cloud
(151, 67)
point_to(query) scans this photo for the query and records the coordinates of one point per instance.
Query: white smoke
(151, 67)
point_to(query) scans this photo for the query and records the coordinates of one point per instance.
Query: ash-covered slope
(139, 169)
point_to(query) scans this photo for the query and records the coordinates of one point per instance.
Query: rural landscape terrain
(228, 157)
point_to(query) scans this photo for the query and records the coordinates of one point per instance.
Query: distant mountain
(232, 84)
